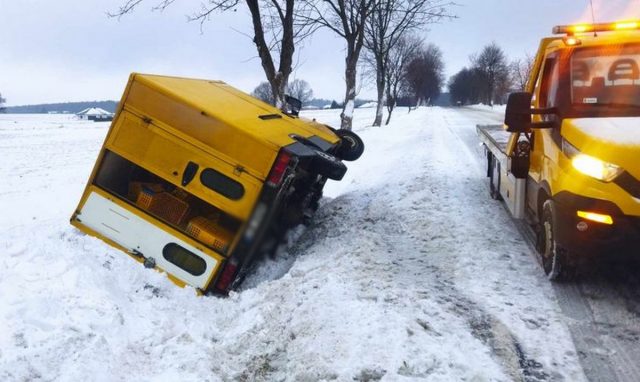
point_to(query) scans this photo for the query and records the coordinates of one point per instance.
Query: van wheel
(328, 165)
(556, 260)
(351, 145)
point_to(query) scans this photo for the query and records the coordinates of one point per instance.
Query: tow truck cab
(195, 178)
(574, 145)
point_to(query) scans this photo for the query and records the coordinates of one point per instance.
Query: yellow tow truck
(196, 178)
(567, 160)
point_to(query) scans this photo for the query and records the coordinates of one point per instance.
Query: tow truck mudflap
(512, 189)
(513, 192)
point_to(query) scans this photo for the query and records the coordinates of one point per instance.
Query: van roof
(241, 130)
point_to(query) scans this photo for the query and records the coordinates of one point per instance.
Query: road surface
(601, 308)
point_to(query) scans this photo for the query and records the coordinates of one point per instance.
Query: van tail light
(279, 168)
(227, 276)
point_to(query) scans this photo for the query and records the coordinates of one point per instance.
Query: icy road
(408, 272)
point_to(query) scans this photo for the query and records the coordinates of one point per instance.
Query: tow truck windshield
(607, 76)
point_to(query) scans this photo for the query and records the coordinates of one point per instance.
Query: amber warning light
(600, 27)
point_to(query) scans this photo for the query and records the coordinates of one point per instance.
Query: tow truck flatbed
(503, 183)
(494, 135)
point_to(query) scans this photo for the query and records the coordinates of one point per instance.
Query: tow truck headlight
(589, 165)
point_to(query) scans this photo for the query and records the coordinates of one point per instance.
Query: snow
(409, 271)
(348, 109)
(618, 130)
(492, 108)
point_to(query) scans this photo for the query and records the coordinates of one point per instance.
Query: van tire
(556, 260)
(328, 165)
(351, 145)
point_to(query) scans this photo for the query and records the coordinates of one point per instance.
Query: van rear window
(184, 259)
(221, 184)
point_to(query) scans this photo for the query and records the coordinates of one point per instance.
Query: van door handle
(189, 173)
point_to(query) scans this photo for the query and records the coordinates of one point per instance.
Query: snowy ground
(408, 272)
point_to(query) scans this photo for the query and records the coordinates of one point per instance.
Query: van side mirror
(294, 104)
(518, 114)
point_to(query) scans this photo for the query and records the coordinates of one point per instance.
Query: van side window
(221, 184)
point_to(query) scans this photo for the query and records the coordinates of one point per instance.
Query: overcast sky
(69, 50)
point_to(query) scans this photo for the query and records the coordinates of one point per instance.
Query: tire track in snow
(404, 236)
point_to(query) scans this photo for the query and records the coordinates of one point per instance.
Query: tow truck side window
(549, 82)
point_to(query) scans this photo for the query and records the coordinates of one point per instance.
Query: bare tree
(400, 55)
(520, 70)
(263, 92)
(2, 101)
(301, 90)
(492, 65)
(347, 19)
(276, 31)
(389, 21)
(425, 74)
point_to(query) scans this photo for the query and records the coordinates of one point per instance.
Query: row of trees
(280, 25)
(414, 75)
(490, 77)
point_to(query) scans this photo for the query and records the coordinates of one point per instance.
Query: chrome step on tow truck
(567, 160)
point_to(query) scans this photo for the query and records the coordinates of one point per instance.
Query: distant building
(368, 105)
(95, 114)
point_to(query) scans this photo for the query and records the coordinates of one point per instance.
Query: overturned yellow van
(197, 178)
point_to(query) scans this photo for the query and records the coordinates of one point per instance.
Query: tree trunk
(287, 49)
(390, 110)
(391, 100)
(277, 79)
(278, 89)
(350, 94)
(380, 85)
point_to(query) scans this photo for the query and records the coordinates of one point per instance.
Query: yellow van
(197, 178)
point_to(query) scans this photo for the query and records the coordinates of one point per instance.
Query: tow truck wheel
(555, 259)
(351, 145)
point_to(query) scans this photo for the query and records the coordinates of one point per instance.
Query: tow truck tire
(328, 165)
(351, 145)
(556, 260)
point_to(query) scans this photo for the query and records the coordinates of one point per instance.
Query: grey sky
(69, 50)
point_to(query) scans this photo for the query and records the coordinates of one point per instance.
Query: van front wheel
(556, 260)
(351, 145)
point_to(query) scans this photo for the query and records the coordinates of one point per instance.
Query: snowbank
(401, 276)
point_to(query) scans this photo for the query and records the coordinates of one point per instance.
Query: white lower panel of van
(132, 232)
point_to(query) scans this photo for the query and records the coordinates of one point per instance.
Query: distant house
(368, 105)
(95, 114)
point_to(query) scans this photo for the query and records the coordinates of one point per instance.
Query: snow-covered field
(409, 272)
